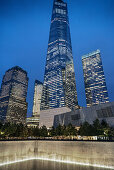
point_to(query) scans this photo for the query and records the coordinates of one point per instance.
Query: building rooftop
(17, 68)
(91, 54)
(38, 82)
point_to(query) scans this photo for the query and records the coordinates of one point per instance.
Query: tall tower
(59, 88)
(13, 105)
(94, 79)
(37, 98)
(33, 121)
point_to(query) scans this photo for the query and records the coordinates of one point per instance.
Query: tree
(71, 130)
(96, 124)
(36, 132)
(20, 130)
(1, 125)
(97, 128)
(104, 124)
(111, 133)
(30, 132)
(86, 129)
(59, 131)
(52, 131)
(43, 131)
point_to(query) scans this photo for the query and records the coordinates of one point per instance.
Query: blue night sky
(24, 33)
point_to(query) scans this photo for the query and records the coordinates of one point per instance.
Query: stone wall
(89, 114)
(47, 116)
(100, 153)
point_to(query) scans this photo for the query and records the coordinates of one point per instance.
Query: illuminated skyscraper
(94, 79)
(13, 105)
(34, 120)
(59, 88)
(37, 98)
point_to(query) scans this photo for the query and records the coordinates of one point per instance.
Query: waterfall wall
(93, 153)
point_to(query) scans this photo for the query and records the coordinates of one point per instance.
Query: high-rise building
(34, 120)
(59, 88)
(94, 79)
(37, 98)
(13, 105)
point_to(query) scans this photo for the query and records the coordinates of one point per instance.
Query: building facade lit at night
(94, 79)
(59, 88)
(13, 93)
(37, 98)
(34, 120)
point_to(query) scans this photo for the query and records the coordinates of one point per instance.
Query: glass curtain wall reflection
(59, 88)
(94, 79)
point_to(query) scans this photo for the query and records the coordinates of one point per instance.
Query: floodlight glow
(57, 160)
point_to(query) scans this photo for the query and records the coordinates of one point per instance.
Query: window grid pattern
(94, 79)
(58, 77)
(13, 105)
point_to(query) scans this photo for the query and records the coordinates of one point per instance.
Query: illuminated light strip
(58, 41)
(91, 54)
(57, 160)
(58, 19)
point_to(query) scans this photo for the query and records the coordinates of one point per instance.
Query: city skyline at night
(21, 42)
(56, 84)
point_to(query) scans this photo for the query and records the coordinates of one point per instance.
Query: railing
(61, 138)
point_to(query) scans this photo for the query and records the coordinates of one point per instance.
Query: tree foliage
(86, 129)
(96, 129)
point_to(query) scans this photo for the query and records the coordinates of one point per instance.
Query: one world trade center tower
(59, 88)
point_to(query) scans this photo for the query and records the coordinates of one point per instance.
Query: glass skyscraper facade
(59, 88)
(13, 105)
(94, 79)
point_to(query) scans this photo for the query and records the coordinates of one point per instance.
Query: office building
(37, 98)
(59, 88)
(13, 93)
(34, 120)
(94, 79)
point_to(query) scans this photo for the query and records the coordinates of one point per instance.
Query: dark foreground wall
(100, 153)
